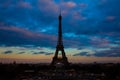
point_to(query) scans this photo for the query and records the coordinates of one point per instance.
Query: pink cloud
(83, 5)
(48, 6)
(78, 16)
(28, 34)
(24, 4)
(20, 4)
(110, 18)
(1, 23)
(101, 42)
(68, 5)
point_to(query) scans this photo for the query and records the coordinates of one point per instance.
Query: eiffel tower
(60, 47)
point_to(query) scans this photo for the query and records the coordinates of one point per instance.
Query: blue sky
(90, 27)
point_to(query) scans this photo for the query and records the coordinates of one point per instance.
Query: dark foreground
(94, 71)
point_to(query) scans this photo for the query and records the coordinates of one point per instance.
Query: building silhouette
(60, 48)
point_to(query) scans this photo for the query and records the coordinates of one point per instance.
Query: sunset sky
(28, 30)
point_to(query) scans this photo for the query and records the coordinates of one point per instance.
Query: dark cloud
(21, 52)
(113, 52)
(36, 53)
(42, 52)
(8, 52)
(48, 53)
(82, 54)
(80, 48)
(76, 54)
(106, 54)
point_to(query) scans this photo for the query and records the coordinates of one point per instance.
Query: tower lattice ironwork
(60, 47)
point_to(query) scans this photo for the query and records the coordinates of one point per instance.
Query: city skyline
(28, 30)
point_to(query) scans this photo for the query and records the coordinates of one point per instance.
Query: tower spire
(60, 42)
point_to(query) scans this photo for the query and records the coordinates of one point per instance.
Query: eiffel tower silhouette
(60, 47)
